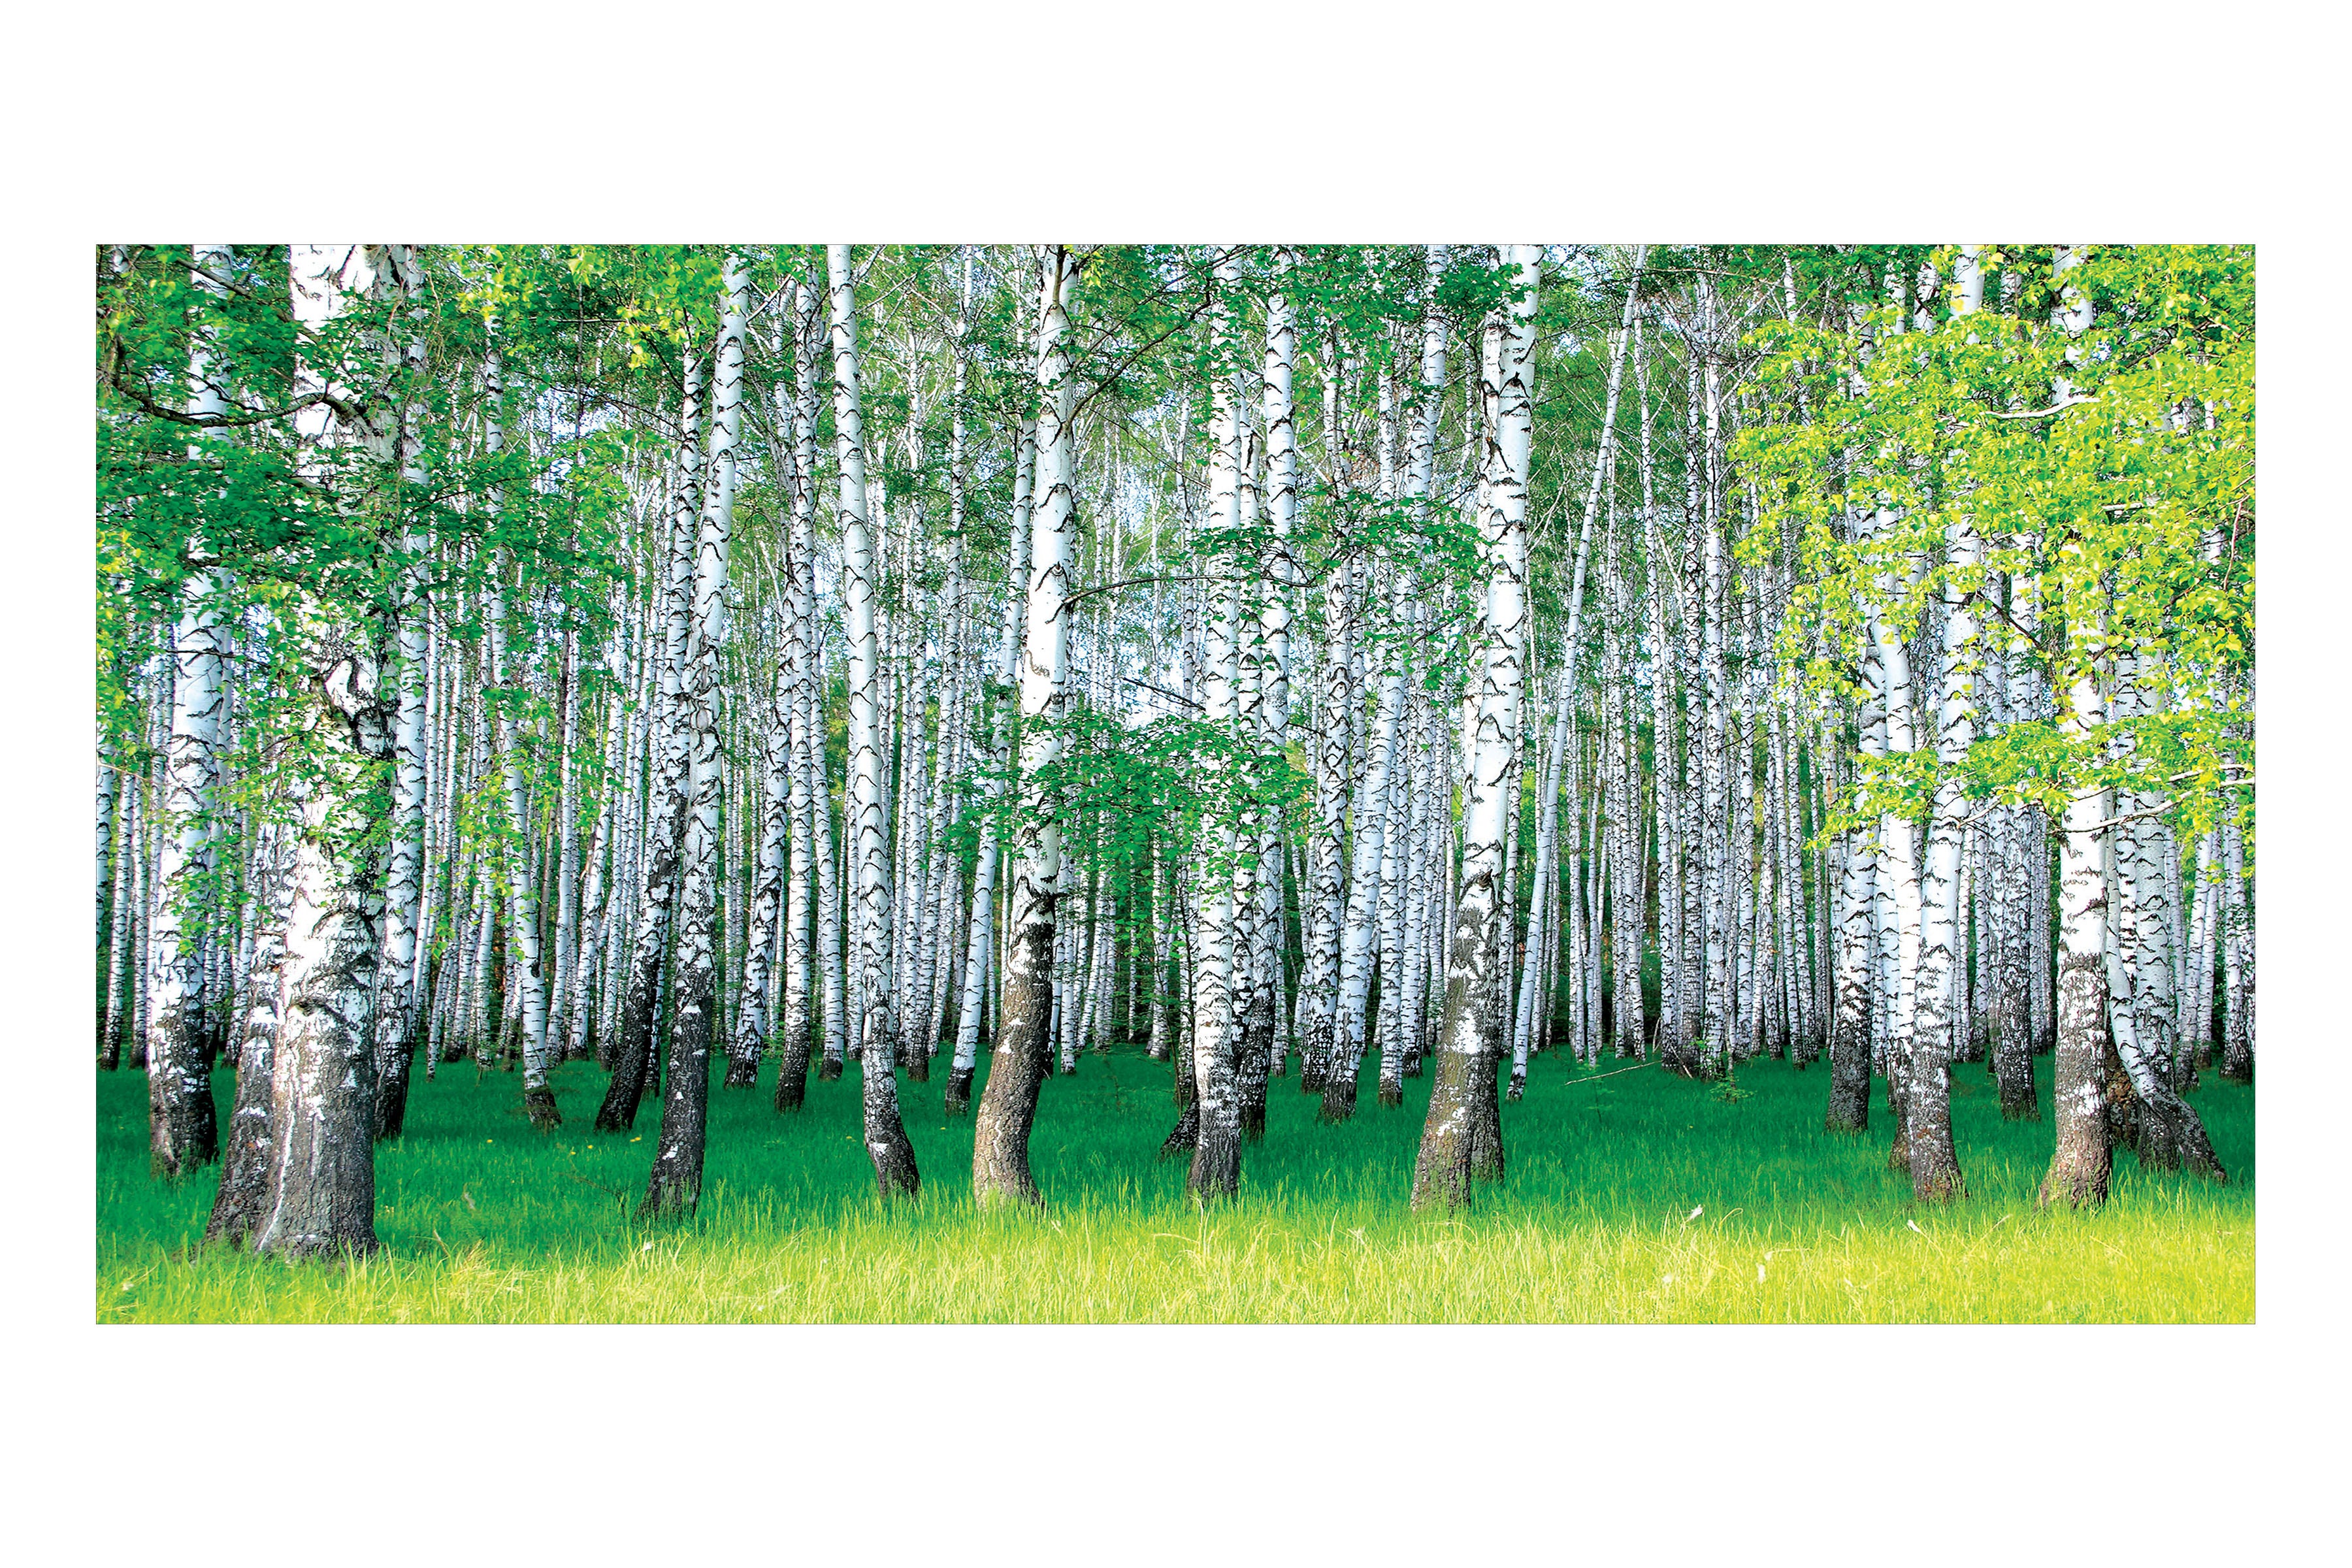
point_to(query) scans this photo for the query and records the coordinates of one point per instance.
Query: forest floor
(1635, 1197)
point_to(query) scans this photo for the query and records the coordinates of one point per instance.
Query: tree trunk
(1220, 963)
(885, 1137)
(641, 1002)
(1020, 1054)
(183, 1135)
(526, 972)
(322, 1072)
(1462, 1141)
(2079, 1169)
(676, 1181)
(807, 801)
(243, 1196)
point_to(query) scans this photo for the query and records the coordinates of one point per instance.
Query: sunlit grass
(484, 1220)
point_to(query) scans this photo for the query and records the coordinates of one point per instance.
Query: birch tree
(1463, 1142)
(1019, 1052)
(886, 1139)
(183, 1134)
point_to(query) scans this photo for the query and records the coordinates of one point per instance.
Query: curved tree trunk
(1021, 1053)
(641, 999)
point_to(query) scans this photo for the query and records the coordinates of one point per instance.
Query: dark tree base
(1936, 1175)
(1462, 1143)
(894, 1165)
(336, 1249)
(2012, 1073)
(919, 1065)
(539, 1104)
(1391, 1095)
(958, 1100)
(1849, 1109)
(2077, 1179)
(791, 1077)
(185, 1137)
(829, 1070)
(618, 1114)
(1215, 1176)
(1186, 1135)
(1338, 1099)
(2172, 1138)
(244, 1191)
(2123, 1107)
(741, 1074)
(392, 1101)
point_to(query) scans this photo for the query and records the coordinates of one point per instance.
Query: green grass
(486, 1221)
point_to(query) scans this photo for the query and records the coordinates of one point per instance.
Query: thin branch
(2059, 407)
(1163, 692)
(146, 404)
(1069, 599)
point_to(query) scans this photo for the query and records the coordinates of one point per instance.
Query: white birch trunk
(1019, 1051)
(183, 1132)
(984, 887)
(868, 860)
(1462, 1141)
(1216, 1153)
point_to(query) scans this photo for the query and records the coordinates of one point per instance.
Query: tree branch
(2058, 407)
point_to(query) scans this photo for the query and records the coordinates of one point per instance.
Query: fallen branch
(1621, 1072)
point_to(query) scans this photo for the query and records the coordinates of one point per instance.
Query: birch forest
(619, 678)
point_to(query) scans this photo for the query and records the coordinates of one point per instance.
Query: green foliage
(299, 531)
(2121, 515)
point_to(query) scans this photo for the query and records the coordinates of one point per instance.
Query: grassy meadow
(1631, 1197)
